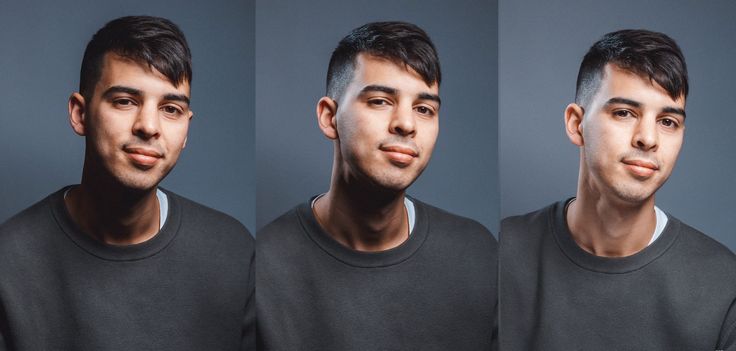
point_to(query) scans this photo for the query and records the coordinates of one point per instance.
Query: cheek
(356, 134)
(429, 137)
(603, 142)
(176, 133)
(108, 133)
(671, 149)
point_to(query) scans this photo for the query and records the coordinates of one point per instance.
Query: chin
(388, 179)
(395, 184)
(633, 194)
(139, 182)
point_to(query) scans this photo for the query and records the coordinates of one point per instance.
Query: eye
(172, 110)
(669, 123)
(425, 110)
(623, 113)
(123, 102)
(378, 102)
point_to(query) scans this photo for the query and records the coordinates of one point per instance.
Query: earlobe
(77, 113)
(326, 117)
(574, 123)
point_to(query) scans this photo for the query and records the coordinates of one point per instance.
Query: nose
(402, 122)
(645, 136)
(147, 124)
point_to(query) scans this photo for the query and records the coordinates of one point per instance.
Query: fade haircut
(399, 42)
(154, 41)
(645, 53)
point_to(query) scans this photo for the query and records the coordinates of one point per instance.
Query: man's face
(135, 123)
(632, 132)
(387, 123)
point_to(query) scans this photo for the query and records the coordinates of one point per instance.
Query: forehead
(618, 82)
(371, 69)
(121, 71)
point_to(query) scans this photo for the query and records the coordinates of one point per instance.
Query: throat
(609, 231)
(364, 229)
(113, 220)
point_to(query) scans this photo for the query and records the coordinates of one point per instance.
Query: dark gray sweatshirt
(676, 294)
(188, 288)
(435, 291)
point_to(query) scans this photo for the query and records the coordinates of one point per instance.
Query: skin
(135, 126)
(629, 137)
(384, 129)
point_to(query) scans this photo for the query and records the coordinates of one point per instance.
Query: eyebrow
(393, 91)
(135, 92)
(675, 110)
(177, 97)
(618, 100)
(668, 109)
(433, 97)
(121, 89)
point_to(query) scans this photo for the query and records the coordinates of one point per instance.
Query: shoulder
(38, 218)
(528, 225)
(30, 218)
(705, 249)
(29, 231)
(197, 217)
(454, 226)
(281, 230)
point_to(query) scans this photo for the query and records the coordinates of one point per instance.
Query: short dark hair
(400, 42)
(643, 52)
(155, 41)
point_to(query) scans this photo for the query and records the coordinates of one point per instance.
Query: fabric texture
(676, 294)
(190, 287)
(435, 291)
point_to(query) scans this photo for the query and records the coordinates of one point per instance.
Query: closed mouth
(400, 149)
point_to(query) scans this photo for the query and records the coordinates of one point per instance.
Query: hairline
(350, 67)
(600, 74)
(148, 66)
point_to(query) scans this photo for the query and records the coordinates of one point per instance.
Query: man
(116, 263)
(363, 266)
(607, 269)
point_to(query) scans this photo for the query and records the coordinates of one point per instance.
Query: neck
(363, 218)
(610, 227)
(113, 214)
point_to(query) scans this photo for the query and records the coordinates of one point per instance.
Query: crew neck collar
(363, 259)
(117, 252)
(613, 265)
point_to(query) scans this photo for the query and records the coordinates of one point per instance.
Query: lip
(640, 168)
(399, 154)
(143, 157)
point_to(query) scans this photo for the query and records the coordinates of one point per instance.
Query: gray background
(541, 44)
(294, 40)
(42, 46)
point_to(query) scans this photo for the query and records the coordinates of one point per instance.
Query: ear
(326, 117)
(574, 123)
(77, 113)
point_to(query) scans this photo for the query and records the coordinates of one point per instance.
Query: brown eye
(622, 113)
(172, 110)
(668, 122)
(425, 110)
(123, 102)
